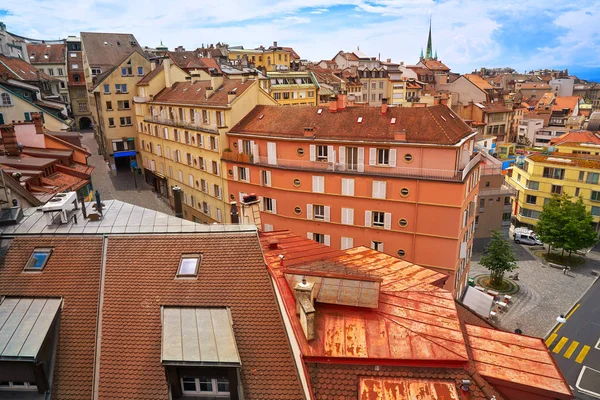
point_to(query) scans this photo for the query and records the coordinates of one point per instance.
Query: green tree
(498, 258)
(549, 227)
(578, 232)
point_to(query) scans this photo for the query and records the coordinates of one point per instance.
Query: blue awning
(130, 153)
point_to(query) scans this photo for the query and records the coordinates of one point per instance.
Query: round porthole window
(300, 151)
(231, 197)
(298, 210)
(404, 192)
(403, 223)
(401, 253)
(408, 157)
(230, 172)
(297, 182)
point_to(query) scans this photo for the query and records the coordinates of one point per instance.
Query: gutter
(96, 379)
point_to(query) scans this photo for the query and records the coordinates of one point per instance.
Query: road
(121, 186)
(575, 345)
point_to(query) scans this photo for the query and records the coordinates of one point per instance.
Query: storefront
(158, 181)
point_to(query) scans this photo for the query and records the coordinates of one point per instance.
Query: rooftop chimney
(274, 43)
(333, 104)
(167, 71)
(10, 139)
(177, 200)
(37, 121)
(342, 100)
(244, 77)
(216, 80)
(305, 308)
(384, 106)
(230, 97)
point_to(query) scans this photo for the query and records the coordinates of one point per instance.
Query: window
(297, 182)
(507, 201)
(244, 174)
(50, 72)
(481, 203)
(378, 218)
(595, 211)
(96, 71)
(556, 189)
(408, 158)
(140, 71)
(383, 156)
(126, 71)
(381, 85)
(403, 223)
(373, 85)
(554, 173)
(6, 100)
(60, 72)
(348, 216)
(265, 178)
(75, 66)
(506, 216)
(188, 265)
(377, 246)
(592, 177)
(121, 88)
(205, 117)
(106, 89)
(82, 107)
(530, 199)
(401, 253)
(351, 158)
(277, 96)
(73, 55)
(205, 386)
(526, 212)
(322, 153)
(347, 187)
(38, 259)
(595, 195)
(125, 121)
(109, 106)
(319, 237)
(576, 193)
(220, 118)
(533, 185)
(76, 78)
(404, 192)
(379, 189)
(270, 205)
(311, 94)
(217, 191)
(111, 122)
(18, 385)
(123, 104)
(213, 143)
(319, 212)
(581, 176)
(318, 184)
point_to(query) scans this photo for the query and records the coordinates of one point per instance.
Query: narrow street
(121, 187)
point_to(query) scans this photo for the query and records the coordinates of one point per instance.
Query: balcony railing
(139, 99)
(505, 190)
(212, 128)
(324, 167)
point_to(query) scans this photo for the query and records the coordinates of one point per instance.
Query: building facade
(51, 59)
(78, 95)
(363, 176)
(292, 88)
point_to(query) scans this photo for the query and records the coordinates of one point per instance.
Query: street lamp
(561, 319)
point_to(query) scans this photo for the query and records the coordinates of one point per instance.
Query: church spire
(429, 51)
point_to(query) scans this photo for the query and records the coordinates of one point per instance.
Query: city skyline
(466, 34)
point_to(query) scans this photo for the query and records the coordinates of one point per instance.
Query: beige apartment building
(50, 59)
(182, 124)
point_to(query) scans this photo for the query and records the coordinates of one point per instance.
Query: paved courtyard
(121, 186)
(545, 292)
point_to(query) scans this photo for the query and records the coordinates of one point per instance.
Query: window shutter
(315, 184)
(211, 189)
(210, 167)
(342, 156)
(327, 213)
(367, 218)
(309, 235)
(235, 173)
(274, 203)
(261, 178)
(372, 155)
(256, 158)
(247, 174)
(392, 157)
(361, 159)
(272, 153)
(330, 154)
(327, 240)
(261, 205)
(347, 243)
(191, 180)
(313, 152)
(350, 187)
(375, 190)
(203, 164)
(218, 171)
(240, 150)
(387, 221)
(309, 210)
(201, 140)
(242, 194)
(268, 183)
(350, 216)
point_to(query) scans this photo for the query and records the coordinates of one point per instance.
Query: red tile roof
(63, 182)
(46, 53)
(479, 82)
(21, 70)
(73, 273)
(434, 125)
(190, 60)
(492, 108)
(293, 54)
(569, 102)
(232, 273)
(194, 93)
(435, 65)
(535, 85)
(577, 137)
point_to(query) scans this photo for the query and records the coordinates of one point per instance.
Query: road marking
(571, 349)
(561, 343)
(567, 317)
(597, 347)
(580, 378)
(582, 354)
(550, 339)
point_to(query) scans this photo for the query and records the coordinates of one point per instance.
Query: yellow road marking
(567, 317)
(582, 354)
(550, 339)
(560, 345)
(571, 349)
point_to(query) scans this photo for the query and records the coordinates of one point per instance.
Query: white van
(526, 236)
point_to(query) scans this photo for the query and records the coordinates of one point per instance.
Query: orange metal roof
(378, 388)
(519, 360)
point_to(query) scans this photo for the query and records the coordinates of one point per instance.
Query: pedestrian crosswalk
(557, 346)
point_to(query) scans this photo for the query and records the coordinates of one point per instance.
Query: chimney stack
(230, 97)
(305, 308)
(333, 104)
(37, 121)
(177, 200)
(10, 139)
(384, 106)
(274, 44)
(342, 101)
(167, 71)
(244, 77)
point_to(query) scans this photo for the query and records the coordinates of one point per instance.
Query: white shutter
(218, 171)
(268, 182)
(203, 164)
(317, 184)
(347, 187)
(274, 204)
(347, 243)
(235, 173)
(247, 174)
(261, 206)
(387, 221)
(392, 157)
(327, 240)
(375, 190)
(348, 216)
(361, 159)
(219, 215)
(256, 158)
(309, 235)
(268, 228)
(191, 180)
(342, 155)
(372, 155)
(272, 153)
(201, 137)
(379, 189)
(210, 167)
(463, 250)
(313, 152)
(330, 154)
(242, 194)
(261, 178)
(327, 213)
(240, 150)
(367, 218)
(309, 210)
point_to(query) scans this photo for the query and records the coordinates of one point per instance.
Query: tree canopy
(498, 258)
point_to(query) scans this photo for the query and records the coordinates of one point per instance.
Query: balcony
(505, 190)
(212, 128)
(140, 99)
(352, 169)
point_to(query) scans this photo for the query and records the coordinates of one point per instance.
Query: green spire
(435, 57)
(421, 52)
(429, 52)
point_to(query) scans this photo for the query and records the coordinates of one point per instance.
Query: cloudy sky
(467, 34)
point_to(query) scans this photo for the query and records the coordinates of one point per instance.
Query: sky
(467, 34)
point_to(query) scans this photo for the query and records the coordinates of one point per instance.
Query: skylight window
(319, 111)
(188, 266)
(261, 116)
(38, 260)
(359, 120)
(393, 121)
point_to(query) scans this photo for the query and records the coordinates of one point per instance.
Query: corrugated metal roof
(24, 324)
(377, 388)
(198, 336)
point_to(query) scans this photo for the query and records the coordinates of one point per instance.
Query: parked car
(526, 236)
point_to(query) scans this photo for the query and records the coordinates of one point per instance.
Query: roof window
(393, 121)
(261, 116)
(359, 120)
(38, 259)
(442, 117)
(319, 111)
(188, 265)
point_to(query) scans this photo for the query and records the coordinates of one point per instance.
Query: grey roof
(481, 303)
(24, 324)
(119, 218)
(198, 336)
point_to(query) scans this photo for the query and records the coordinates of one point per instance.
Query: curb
(573, 306)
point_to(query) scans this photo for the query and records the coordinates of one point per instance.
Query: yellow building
(292, 88)
(273, 58)
(14, 106)
(542, 175)
(404, 92)
(182, 125)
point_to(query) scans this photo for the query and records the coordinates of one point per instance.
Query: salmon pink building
(402, 181)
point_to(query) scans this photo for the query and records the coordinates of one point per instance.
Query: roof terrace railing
(183, 124)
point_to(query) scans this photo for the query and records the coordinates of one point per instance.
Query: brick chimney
(342, 101)
(37, 121)
(9, 138)
(333, 107)
(384, 106)
(167, 71)
(305, 308)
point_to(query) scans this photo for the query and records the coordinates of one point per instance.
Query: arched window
(6, 100)
(75, 77)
